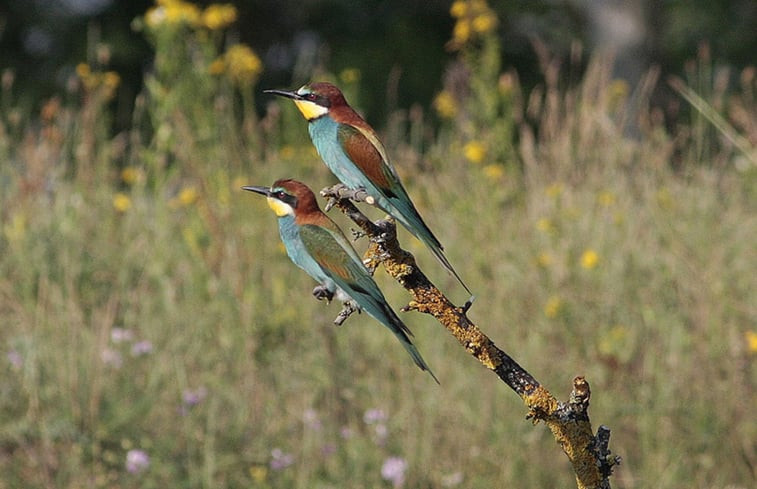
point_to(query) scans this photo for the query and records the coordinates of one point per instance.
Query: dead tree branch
(568, 421)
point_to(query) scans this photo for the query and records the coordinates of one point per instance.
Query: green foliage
(148, 305)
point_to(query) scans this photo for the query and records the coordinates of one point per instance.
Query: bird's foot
(321, 292)
(381, 238)
(357, 234)
(333, 193)
(341, 191)
(383, 255)
(347, 309)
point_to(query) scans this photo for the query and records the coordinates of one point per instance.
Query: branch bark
(568, 421)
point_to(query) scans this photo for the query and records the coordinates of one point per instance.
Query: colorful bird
(316, 244)
(352, 151)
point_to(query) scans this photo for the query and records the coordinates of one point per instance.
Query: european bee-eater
(316, 244)
(353, 152)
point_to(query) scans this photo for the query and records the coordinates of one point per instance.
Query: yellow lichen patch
(541, 404)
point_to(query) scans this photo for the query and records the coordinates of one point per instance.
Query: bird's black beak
(258, 190)
(285, 93)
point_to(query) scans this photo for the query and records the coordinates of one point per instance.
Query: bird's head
(288, 197)
(314, 100)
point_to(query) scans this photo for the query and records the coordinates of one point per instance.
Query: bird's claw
(329, 204)
(383, 254)
(381, 238)
(320, 292)
(334, 191)
(347, 309)
(357, 234)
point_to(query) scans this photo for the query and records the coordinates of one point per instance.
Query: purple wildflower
(310, 419)
(120, 335)
(393, 470)
(194, 397)
(137, 461)
(15, 359)
(373, 416)
(346, 432)
(141, 348)
(111, 358)
(280, 460)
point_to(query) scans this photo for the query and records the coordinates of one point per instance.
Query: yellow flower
(155, 16)
(258, 473)
(240, 63)
(95, 79)
(445, 105)
(179, 12)
(88, 79)
(552, 307)
(665, 199)
(474, 19)
(187, 196)
(494, 171)
(219, 16)
(554, 190)
(458, 9)
(606, 198)
(484, 23)
(474, 151)
(751, 341)
(83, 70)
(618, 92)
(15, 229)
(589, 259)
(461, 32)
(131, 175)
(545, 259)
(173, 12)
(121, 202)
(545, 225)
(350, 75)
(111, 80)
(217, 67)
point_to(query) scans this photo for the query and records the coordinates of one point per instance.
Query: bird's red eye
(310, 97)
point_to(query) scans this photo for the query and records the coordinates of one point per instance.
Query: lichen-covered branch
(568, 421)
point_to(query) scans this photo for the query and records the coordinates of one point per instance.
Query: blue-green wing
(330, 249)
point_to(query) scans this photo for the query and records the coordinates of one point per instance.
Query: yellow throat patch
(310, 110)
(280, 208)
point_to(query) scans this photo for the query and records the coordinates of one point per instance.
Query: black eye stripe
(316, 99)
(285, 197)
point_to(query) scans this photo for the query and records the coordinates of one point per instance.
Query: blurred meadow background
(154, 333)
